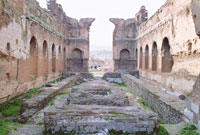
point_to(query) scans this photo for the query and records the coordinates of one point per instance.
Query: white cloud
(102, 10)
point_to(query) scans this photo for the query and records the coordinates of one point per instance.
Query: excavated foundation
(98, 107)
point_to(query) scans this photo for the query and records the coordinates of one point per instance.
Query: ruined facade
(166, 45)
(37, 45)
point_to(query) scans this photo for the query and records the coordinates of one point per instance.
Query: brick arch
(154, 56)
(136, 56)
(45, 58)
(167, 59)
(147, 57)
(125, 54)
(77, 54)
(53, 57)
(33, 60)
(45, 49)
(64, 59)
(77, 60)
(141, 57)
(33, 47)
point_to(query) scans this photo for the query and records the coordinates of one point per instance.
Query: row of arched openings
(34, 56)
(167, 59)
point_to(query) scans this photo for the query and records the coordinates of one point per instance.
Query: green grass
(64, 93)
(140, 101)
(120, 85)
(56, 80)
(3, 2)
(7, 125)
(51, 102)
(76, 84)
(13, 106)
(120, 115)
(190, 130)
(162, 131)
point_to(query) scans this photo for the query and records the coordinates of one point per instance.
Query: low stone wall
(37, 102)
(167, 107)
(118, 74)
(89, 122)
(192, 112)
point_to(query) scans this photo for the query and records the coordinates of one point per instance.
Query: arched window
(64, 58)
(125, 54)
(53, 52)
(154, 56)
(136, 53)
(45, 52)
(8, 48)
(141, 57)
(167, 60)
(147, 57)
(33, 60)
(77, 60)
(33, 47)
(77, 54)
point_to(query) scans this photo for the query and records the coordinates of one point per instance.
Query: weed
(190, 130)
(3, 2)
(75, 84)
(51, 102)
(7, 125)
(13, 106)
(140, 101)
(161, 131)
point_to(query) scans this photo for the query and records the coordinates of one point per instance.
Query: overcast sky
(101, 30)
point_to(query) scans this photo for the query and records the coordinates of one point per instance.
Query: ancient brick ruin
(156, 59)
(37, 45)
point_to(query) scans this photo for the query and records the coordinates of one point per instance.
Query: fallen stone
(115, 80)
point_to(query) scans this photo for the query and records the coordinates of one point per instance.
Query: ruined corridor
(51, 83)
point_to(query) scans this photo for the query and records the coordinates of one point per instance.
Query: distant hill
(101, 54)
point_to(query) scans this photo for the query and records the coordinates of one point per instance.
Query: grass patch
(7, 125)
(190, 130)
(56, 80)
(161, 131)
(3, 2)
(145, 106)
(13, 106)
(51, 102)
(76, 84)
(120, 85)
(64, 93)
(121, 115)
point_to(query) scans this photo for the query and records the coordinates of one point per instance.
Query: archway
(33, 59)
(53, 53)
(136, 55)
(167, 60)
(124, 60)
(45, 58)
(147, 57)
(64, 60)
(154, 57)
(77, 60)
(141, 57)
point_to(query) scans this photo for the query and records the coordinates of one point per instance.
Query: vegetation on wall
(3, 2)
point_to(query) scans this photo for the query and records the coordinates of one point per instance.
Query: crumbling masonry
(37, 45)
(165, 48)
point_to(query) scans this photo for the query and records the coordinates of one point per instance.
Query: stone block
(189, 114)
(195, 108)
